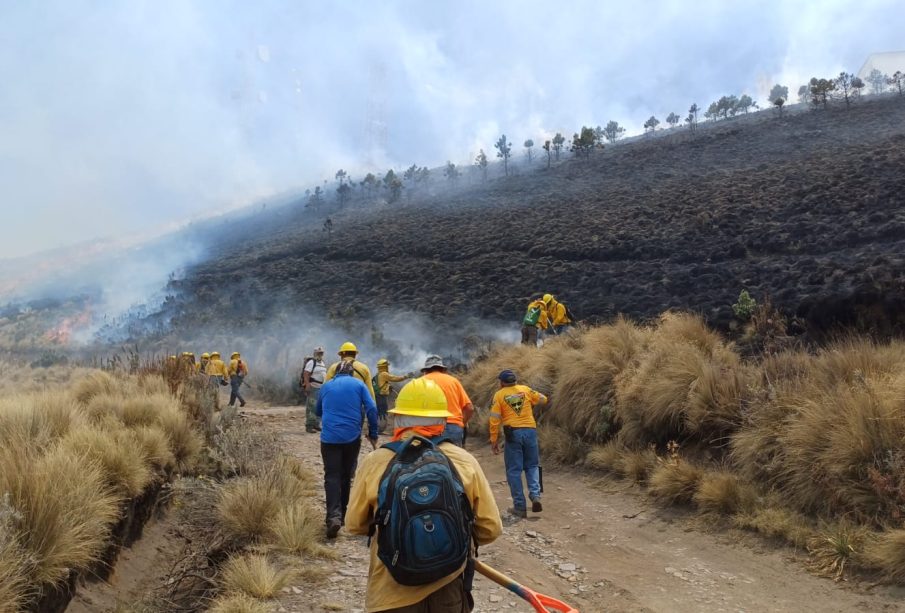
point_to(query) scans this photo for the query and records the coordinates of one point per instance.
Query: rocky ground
(599, 546)
(808, 209)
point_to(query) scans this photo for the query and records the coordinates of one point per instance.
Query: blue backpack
(424, 521)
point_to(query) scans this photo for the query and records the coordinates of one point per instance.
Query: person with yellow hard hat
(420, 419)
(381, 383)
(201, 367)
(558, 313)
(348, 352)
(238, 370)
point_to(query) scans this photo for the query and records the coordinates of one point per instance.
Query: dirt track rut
(601, 547)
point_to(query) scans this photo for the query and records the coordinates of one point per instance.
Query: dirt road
(601, 547)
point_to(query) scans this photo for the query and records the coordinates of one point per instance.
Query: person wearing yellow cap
(558, 313)
(436, 575)
(512, 407)
(217, 374)
(381, 383)
(238, 370)
(348, 352)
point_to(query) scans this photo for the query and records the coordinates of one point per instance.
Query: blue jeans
(521, 454)
(454, 433)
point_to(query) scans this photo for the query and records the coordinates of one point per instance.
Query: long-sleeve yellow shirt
(384, 378)
(217, 368)
(383, 591)
(513, 406)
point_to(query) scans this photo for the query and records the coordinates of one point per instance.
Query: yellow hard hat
(171, 357)
(383, 362)
(205, 356)
(421, 398)
(547, 298)
(215, 354)
(348, 347)
(235, 354)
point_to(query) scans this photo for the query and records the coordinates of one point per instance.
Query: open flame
(62, 334)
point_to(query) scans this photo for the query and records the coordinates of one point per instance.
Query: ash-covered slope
(808, 209)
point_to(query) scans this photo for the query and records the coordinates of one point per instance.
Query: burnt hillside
(808, 209)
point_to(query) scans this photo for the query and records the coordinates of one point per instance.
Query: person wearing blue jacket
(340, 404)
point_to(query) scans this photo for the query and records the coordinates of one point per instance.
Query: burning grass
(777, 444)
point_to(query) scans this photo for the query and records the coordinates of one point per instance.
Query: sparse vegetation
(253, 575)
(504, 151)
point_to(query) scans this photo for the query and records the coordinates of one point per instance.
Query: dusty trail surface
(599, 546)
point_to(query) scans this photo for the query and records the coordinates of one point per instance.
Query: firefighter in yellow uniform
(558, 314)
(238, 370)
(512, 407)
(383, 379)
(217, 374)
(201, 367)
(348, 352)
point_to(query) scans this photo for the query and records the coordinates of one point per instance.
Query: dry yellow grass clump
(69, 457)
(675, 482)
(253, 575)
(238, 603)
(249, 506)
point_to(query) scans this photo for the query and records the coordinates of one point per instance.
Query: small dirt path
(599, 546)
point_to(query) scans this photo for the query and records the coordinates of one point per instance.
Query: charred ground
(808, 210)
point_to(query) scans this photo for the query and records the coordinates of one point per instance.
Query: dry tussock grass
(185, 442)
(65, 510)
(93, 384)
(723, 493)
(886, 553)
(836, 548)
(238, 603)
(296, 529)
(13, 561)
(638, 465)
(253, 575)
(777, 522)
(36, 420)
(584, 392)
(113, 451)
(154, 446)
(675, 482)
(840, 451)
(560, 446)
(607, 457)
(249, 506)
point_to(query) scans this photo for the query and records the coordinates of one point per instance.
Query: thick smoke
(129, 116)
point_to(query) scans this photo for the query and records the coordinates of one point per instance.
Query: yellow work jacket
(361, 371)
(217, 368)
(383, 591)
(557, 313)
(513, 406)
(384, 378)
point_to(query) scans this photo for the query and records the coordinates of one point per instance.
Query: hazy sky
(119, 117)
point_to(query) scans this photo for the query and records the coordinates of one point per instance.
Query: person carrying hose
(512, 407)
